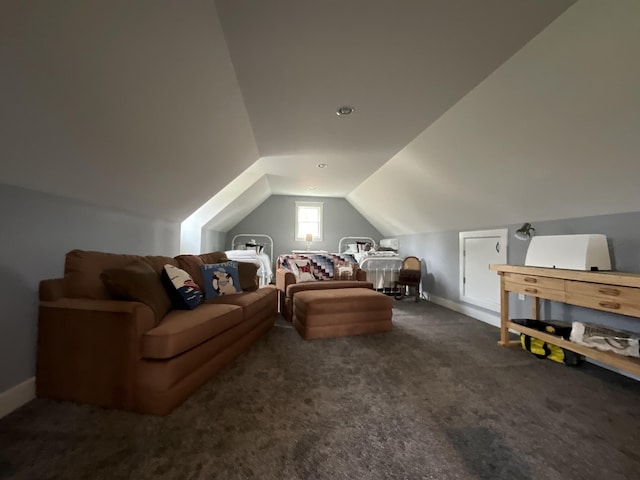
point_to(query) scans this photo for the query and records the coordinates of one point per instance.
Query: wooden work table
(613, 292)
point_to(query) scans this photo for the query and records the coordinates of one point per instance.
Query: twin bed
(382, 263)
(256, 248)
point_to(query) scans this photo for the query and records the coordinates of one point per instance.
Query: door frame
(503, 234)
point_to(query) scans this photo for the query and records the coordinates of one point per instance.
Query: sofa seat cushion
(162, 375)
(181, 330)
(252, 303)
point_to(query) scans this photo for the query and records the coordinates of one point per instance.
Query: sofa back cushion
(82, 271)
(192, 264)
(213, 257)
(138, 282)
(247, 271)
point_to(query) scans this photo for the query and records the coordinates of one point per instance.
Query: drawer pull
(530, 279)
(531, 290)
(612, 306)
(609, 291)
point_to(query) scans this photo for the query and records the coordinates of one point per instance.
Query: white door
(479, 285)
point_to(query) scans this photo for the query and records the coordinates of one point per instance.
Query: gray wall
(37, 230)
(276, 217)
(440, 251)
(212, 241)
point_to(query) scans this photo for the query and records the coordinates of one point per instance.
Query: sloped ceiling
(200, 109)
(128, 104)
(401, 65)
(552, 134)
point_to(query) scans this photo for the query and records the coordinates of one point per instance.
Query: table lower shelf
(628, 364)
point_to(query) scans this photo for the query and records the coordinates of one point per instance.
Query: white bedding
(361, 256)
(383, 268)
(265, 272)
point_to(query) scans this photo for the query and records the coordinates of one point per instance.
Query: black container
(553, 327)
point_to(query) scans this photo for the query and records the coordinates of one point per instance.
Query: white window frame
(300, 235)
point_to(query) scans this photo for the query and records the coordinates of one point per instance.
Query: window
(309, 220)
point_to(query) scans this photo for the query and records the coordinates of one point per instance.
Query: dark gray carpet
(436, 398)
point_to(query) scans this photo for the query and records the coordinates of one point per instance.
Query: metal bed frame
(235, 244)
(383, 279)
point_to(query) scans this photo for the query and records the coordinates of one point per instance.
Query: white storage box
(573, 252)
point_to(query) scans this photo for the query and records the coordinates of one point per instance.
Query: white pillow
(351, 248)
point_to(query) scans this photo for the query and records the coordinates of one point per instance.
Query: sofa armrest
(51, 289)
(284, 278)
(361, 275)
(88, 350)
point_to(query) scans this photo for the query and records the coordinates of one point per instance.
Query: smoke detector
(344, 110)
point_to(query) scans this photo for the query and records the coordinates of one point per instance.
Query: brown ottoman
(341, 312)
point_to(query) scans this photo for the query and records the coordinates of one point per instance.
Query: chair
(410, 276)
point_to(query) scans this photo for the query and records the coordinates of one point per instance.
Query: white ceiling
(551, 134)
(200, 110)
(400, 64)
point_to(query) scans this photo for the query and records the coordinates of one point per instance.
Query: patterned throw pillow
(221, 279)
(343, 272)
(302, 271)
(183, 291)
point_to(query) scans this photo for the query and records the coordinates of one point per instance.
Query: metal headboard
(253, 236)
(344, 241)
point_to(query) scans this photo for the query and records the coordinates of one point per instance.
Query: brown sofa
(126, 354)
(288, 286)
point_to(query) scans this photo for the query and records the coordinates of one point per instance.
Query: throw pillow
(302, 271)
(351, 248)
(184, 293)
(138, 282)
(344, 272)
(248, 275)
(221, 279)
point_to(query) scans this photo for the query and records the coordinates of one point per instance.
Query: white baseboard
(487, 317)
(494, 320)
(17, 396)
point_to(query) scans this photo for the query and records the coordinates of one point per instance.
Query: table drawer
(536, 291)
(611, 298)
(535, 281)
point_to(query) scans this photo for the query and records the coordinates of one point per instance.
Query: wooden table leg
(504, 313)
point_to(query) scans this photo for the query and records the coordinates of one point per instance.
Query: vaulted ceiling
(467, 114)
